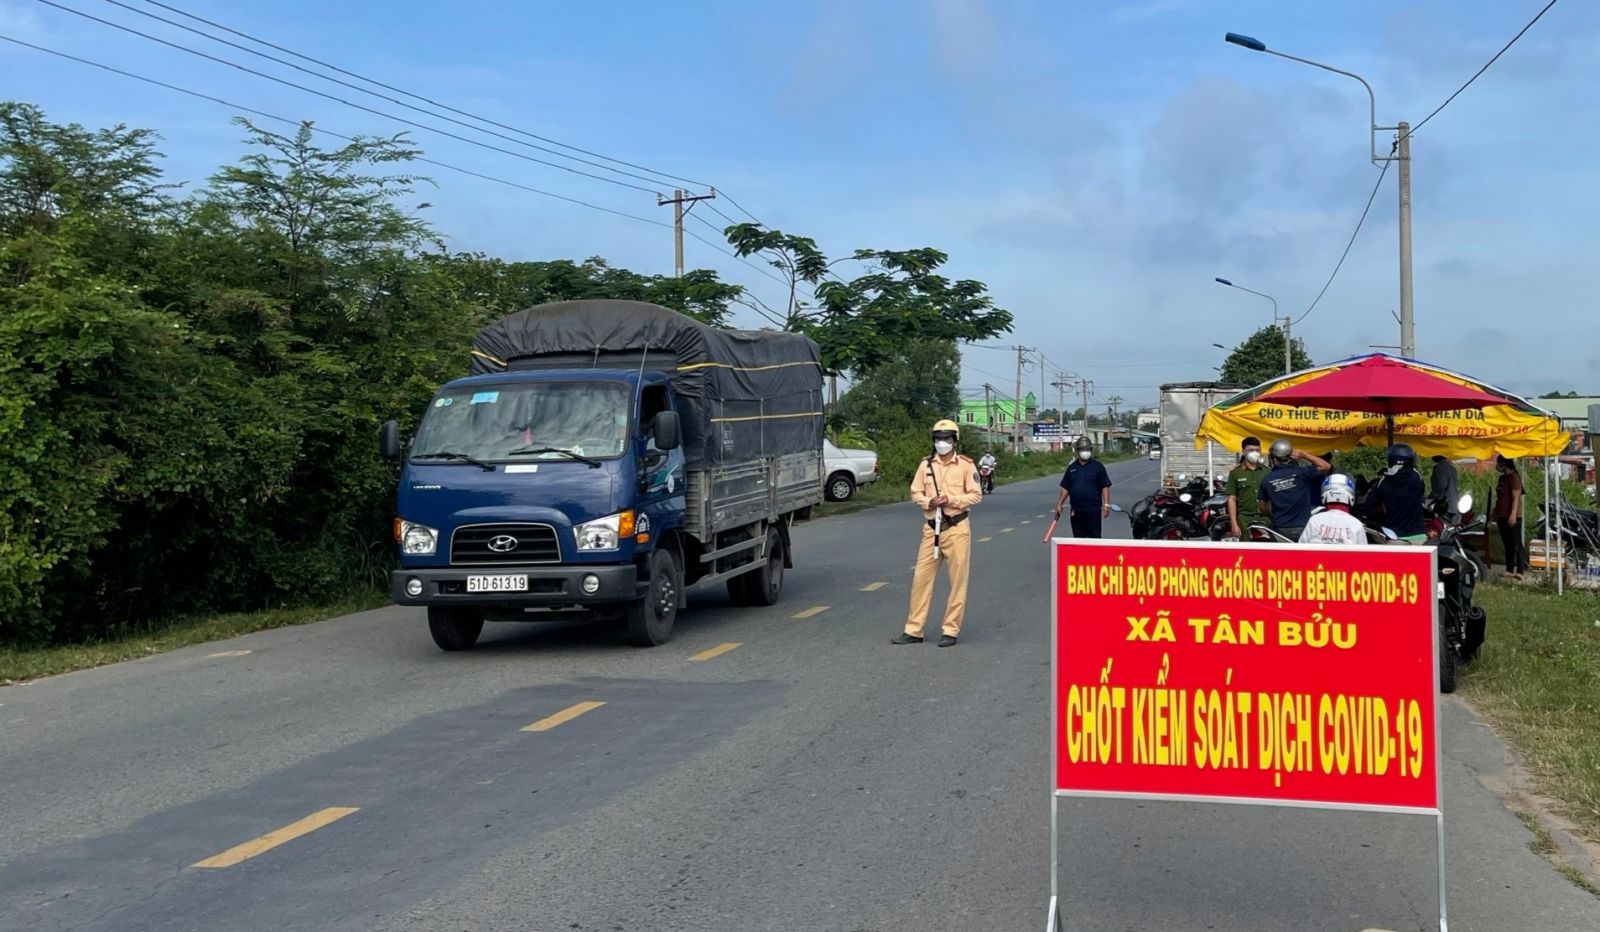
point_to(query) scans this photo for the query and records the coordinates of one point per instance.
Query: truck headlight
(604, 533)
(418, 540)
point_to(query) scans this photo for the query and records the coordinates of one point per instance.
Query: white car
(1155, 453)
(846, 470)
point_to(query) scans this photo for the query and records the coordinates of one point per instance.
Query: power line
(337, 99)
(1353, 234)
(1480, 71)
(424, 99)
(355, 87)
(767, 272)
(340, 136)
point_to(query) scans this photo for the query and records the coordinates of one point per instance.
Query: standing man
(1508, 515)
(1244, 488)
(1444, 488)
(945, 486)
(1285, 494)
(1086, 487)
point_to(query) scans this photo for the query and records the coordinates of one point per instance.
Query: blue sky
(1096, 163)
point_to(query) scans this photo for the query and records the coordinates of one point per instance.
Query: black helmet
(1401, 454)
(1084, 443)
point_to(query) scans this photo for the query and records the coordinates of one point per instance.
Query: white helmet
(1338, 488)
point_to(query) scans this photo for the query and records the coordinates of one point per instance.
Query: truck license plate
(497, 583)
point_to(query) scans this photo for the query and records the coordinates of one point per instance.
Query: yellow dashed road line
(984, 540)
(565, 715)
(1007, 530)
(717, 651)
(873, 587)
(812, 612)
(273, 839)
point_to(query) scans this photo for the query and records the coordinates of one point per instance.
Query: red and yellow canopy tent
(1374, 400)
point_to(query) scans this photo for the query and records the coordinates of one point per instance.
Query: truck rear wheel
(650, 619)
(761, 587)
(454, 627)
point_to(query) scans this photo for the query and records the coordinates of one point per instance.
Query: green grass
(1538, 682)
(21, 664)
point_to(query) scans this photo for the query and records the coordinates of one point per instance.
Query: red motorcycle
(986, 479)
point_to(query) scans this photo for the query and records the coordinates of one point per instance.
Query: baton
(1051, 529)
(938, 521)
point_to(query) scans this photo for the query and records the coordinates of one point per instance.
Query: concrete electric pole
(1408, 336)
(1016, 421)
(678, 200)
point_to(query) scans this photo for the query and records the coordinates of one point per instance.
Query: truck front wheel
(454, 627)
(651, 618)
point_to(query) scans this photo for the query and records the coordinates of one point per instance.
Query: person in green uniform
(1244, 488)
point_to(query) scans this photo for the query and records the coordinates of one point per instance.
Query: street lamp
(1401, 154)
(1288, 359)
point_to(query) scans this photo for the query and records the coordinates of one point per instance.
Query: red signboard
(1247, 673)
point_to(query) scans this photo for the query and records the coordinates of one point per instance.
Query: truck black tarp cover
(743, 394)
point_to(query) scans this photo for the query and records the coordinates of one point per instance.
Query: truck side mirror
(389, 440)
(665, 428)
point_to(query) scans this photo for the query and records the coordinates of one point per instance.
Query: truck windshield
(492, 423)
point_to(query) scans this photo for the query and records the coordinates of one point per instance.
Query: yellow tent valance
(1514, 429)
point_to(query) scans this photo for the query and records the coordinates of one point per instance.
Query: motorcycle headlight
(604, 533)
(418, 540)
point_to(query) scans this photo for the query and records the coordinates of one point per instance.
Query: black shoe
(947, 641)
(903, 638)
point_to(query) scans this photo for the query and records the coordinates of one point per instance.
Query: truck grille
(504, 544)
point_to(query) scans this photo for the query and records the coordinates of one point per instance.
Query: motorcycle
(1580, 529)
(986, 479)
(1182, 513)
(1462, 625)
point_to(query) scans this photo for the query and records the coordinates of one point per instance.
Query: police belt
(949, 520)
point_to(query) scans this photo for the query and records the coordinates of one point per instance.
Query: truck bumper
(547, 585)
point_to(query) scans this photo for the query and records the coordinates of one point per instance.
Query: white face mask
(1085, 455)
(943, 447)
(1253, 457)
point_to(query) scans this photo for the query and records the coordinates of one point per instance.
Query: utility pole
(1288, 358)
(1061, 384)
(988, 409)
(1112, 403)
(678, 199)
(1408, 336)
(1087, 387)
(1016, 421)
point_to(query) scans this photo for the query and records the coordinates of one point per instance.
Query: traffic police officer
(945, 486)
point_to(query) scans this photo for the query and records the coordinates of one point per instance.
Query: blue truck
(600, 458)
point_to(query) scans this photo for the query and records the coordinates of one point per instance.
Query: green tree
(907, 392)
(496, 287)
(1260, 357)
(861, 322)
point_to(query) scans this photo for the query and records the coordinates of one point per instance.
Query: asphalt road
(812, 778)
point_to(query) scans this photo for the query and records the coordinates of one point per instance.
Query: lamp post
(1288, 357)
(1401, 154)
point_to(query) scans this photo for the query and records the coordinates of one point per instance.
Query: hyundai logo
(502, 543)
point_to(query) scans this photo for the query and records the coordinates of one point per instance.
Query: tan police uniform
(954, 476)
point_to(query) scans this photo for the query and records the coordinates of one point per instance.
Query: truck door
(662, 474)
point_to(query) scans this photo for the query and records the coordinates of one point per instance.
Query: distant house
(1000, 413)
(1574, 415)
(1149, 420)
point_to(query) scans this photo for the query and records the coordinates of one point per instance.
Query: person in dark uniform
(1397, 497)
(1086, 488)
(1284, 494)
